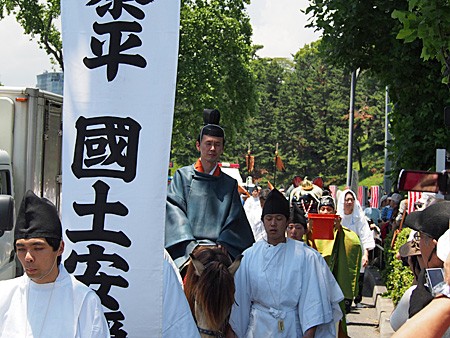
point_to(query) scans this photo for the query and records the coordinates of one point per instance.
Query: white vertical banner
(120, 60)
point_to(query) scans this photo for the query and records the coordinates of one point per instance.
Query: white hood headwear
(357, 210)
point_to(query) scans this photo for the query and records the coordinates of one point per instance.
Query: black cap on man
(276, 203)
(297, 216)
(37, 218)
(211, 119)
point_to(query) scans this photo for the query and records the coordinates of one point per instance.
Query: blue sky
(277, 24)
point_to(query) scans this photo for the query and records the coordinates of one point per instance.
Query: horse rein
(217, 334)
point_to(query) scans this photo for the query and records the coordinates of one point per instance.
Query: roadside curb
(384, 306)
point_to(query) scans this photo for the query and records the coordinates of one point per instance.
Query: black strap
(217, 334)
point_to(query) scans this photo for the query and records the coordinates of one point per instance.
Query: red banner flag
(279, 163)
(413, 197)
(362, 196)
(250, 162)
(374, 196)
(333, 189)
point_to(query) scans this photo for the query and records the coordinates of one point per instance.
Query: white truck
(30, 158)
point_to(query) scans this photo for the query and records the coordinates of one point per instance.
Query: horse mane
(213, 290)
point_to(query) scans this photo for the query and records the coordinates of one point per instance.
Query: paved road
(364, 322)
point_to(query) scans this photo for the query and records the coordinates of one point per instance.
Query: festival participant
(46, 301)
(253, 209)
(283, 287)
(343, 254)
(353, 218)
(203, 205)
(297, 224)
(306, 196)
(326, 205)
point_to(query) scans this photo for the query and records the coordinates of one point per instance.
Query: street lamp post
(350, 129)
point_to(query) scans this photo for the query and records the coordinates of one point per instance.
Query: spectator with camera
(430, 223)
(434, 319)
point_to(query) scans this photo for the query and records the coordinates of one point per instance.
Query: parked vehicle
(30, 157)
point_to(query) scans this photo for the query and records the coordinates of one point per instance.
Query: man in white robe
(46, 301)
(253, 209)
(283, 287)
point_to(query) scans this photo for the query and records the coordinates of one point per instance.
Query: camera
(434, 277)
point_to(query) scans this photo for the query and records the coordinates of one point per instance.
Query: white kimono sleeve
(365, 234)
(240, 312)
(92, 322)
(320, 297)
(177, 317)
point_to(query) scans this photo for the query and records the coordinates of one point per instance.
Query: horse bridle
(217, 334)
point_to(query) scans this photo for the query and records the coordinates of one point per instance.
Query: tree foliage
(362, 34)
(213, 72)
(428, 21)
(303, 106)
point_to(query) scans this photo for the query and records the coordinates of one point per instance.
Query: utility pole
(275, 166)
(387, 182)
(350, 129)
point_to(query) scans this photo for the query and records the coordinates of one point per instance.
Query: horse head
(209, 288)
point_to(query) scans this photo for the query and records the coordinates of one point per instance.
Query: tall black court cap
(276, 203)
(211, 119)
(297, 216)
(37, 218)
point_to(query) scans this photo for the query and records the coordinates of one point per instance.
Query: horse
(209, 288)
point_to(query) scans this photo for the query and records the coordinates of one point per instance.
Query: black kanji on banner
(107, 147)
(114, 33)
(93, 275)
(115, 7)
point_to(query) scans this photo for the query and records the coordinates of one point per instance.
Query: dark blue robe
(204, 209)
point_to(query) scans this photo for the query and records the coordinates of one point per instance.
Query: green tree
(303, 106)
(362, 34)
(428, 21)
(38, 19)
(261, 131)
(305, 102)
(213, 72)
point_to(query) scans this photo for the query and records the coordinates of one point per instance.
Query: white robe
(63, 309)
(356, 221)
(177, 316)
(289, 282)
(253, 212)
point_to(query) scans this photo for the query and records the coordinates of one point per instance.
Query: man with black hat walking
(46, 301)
(203, 205)
(283, 287)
